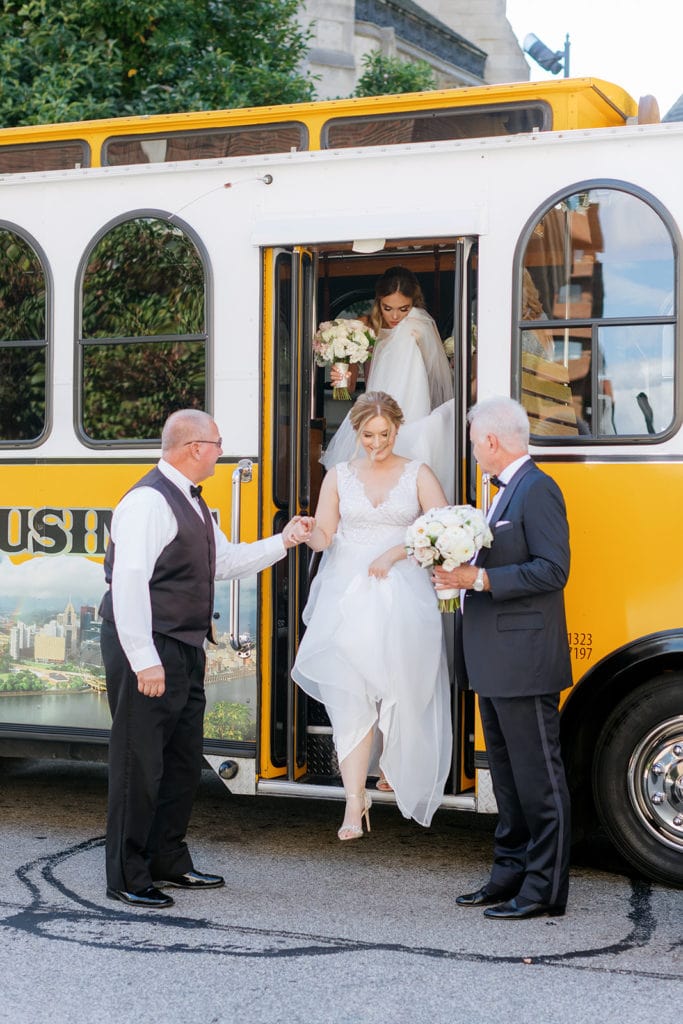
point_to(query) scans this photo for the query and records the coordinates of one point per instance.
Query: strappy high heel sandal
(383, 784)
(356, 831)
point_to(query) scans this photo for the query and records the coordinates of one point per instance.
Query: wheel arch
(610, 680)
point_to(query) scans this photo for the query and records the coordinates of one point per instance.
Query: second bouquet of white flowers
(448, 537)
(340, 342)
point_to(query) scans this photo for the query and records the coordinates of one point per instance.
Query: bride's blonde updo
(375, 403)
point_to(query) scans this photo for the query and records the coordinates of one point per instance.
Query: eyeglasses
(204, 440)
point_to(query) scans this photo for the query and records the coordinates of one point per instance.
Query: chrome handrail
(242, 474)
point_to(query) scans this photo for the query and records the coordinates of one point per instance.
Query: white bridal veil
(409, 363)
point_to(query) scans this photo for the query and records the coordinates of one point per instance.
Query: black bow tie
(496, 482)
(196, 492)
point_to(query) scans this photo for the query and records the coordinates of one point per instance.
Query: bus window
(23, 341)
(596, 321)
(254, 140)
(44, 156)
(435, 125)
(144, 341)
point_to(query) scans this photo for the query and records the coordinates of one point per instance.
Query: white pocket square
(501, 522)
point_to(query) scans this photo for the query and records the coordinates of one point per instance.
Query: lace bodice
(361, 522)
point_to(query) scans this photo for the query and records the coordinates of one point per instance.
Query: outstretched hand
(298, 530)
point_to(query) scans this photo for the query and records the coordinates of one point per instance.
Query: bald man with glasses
(164, 555)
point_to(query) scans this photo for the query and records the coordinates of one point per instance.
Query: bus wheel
(638, 778)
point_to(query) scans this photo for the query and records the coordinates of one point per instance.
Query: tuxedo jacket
(514, 637)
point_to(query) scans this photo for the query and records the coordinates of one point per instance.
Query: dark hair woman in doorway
(410, 364)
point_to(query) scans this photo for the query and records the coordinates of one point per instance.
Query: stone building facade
(466, 42)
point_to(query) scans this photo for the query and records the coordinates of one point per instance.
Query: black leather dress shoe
(484, 897)
(193, 880)
(149, 897)
(519, 910)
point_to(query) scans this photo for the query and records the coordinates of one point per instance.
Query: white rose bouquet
(449, 537)
(340, 342)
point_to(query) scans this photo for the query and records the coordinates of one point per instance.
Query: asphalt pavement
(308, 929)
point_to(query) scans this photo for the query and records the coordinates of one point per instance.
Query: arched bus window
(596, 318)
(23, 340)
(143, 344)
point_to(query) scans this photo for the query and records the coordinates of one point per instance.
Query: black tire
(638, 778)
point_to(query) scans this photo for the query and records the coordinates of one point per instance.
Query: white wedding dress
(373, 651)
(409, 363)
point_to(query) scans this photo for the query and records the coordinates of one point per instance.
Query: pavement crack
(84, 922)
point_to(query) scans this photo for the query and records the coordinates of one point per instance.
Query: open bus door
(466, 257)
(296, 753)
(287, 443)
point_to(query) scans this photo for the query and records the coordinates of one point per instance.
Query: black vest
(182, 583)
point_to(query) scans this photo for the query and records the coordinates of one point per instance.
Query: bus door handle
(241, 475)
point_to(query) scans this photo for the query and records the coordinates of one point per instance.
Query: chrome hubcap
(655, 782)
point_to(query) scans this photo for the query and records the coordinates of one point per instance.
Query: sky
(53, 578)
(635, 45)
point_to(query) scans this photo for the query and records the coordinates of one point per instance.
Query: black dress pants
(155, 763)
(532, 839)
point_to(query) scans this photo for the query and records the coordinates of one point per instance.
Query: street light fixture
(551, 60)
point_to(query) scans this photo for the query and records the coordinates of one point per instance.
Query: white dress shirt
(505, 476)
(143, 524)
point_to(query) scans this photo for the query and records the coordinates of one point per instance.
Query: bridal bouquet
(340, 342)
(449, 537)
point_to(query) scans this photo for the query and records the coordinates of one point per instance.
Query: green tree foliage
(144, 277)
(22, 320)
(144, 280)
(384, 76)
(143, 295)
(22, 681)
(22, 290)
(228, 720)
(81, 59)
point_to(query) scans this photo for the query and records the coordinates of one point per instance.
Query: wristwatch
(478, 584)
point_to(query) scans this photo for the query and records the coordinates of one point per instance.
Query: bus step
(320, 753)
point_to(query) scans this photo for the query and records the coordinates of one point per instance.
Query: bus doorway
(307, 286)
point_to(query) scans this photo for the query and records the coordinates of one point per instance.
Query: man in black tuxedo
(514, 651)
(165, 552)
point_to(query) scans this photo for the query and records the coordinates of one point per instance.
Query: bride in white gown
(373, 651)
(408, 363)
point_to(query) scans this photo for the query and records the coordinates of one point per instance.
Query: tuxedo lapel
(502, 504)
(509, 491)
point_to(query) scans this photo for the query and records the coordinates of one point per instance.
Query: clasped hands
(298, 530)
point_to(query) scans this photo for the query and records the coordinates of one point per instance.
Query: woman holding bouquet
(373, 652)
(410, 364)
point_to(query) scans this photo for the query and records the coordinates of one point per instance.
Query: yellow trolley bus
(148, 264)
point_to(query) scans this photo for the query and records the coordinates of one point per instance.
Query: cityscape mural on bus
(51, 671)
